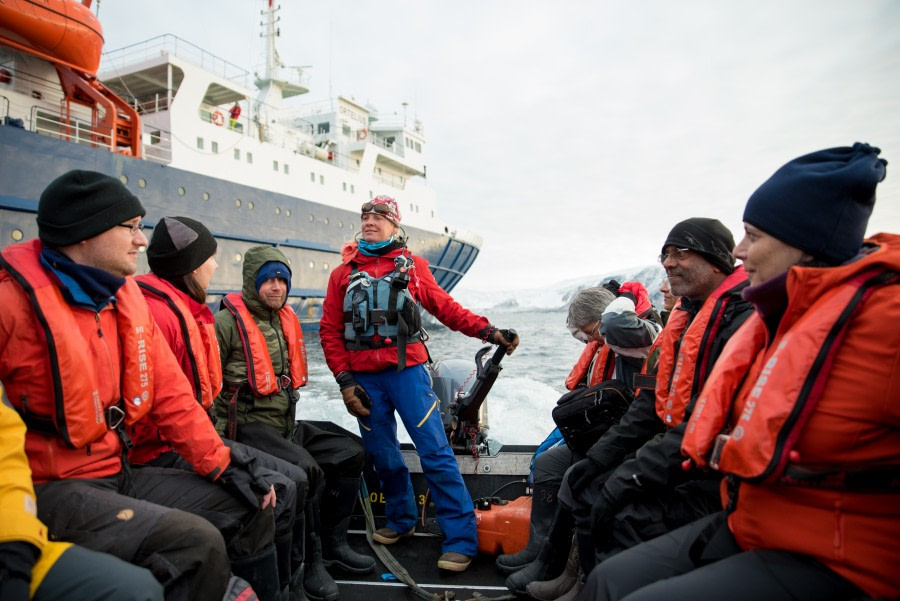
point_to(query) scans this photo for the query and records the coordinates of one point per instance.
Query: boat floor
(418, 555)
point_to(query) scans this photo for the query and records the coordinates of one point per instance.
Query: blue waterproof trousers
(409, 392)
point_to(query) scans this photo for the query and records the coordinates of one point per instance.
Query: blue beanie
(273, 269)
(820, 202)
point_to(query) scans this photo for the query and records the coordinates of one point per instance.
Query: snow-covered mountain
(556, 296)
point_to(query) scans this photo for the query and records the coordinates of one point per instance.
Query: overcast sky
(573, 134)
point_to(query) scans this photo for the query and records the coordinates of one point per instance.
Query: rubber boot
(261, 571)
(587, 554)
(551, 559)
(548, 590)
(294, 591)
(543, 508)
(574, 591)
(339, 499)
(317, 582)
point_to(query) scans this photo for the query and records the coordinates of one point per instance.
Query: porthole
(206, 196)
(287, 212)
(250, 205)
(312, 218)
(312, 265)
(324, 266)
(142, 183)
(123, 179)
(16, 235)
(341, 224)
(238, 257)
(181, 191)
(237, 202)
(278, 210)
(325, 220)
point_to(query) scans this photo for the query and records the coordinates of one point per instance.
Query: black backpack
(584, 414)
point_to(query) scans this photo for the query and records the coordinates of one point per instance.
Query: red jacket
(423, 289)
(25, 365)
(201, 365)
(853, 424)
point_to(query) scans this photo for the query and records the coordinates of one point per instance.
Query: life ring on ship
(362, 134)
(218, 118)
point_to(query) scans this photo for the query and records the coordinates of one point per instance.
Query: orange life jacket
(774, 388)
(680, 374)
(78, 414)
(200, 341)
(261, 374)
(600, 364)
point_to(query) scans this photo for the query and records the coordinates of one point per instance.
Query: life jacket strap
(231, 390)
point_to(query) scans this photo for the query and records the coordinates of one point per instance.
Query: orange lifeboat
(60, 31)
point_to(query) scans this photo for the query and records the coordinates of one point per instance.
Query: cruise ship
(192, 134)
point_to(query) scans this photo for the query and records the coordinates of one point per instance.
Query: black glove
(581, 475)
(244, 479)
(16, 561)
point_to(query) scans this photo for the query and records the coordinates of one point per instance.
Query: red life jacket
(261, 374)
(600, 363)
(78, 415)
(200, 341)
(773, 388)
(679, 375)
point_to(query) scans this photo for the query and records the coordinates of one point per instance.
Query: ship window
(324, 266)
(411, 207)
(123, 179)
(250, 157)
(238, 257)
(312, 217)
(312, 265)
(345, 186)
(199, 143)
(237, 202)
(214, 147)
(250, 205)
(206, 196)
(325, 220)
(352, 189)
(16, 235)
(432, 214)
(278, 210)
(418, 147)
(237, 154)
(323, 128)
(346, 129)
(322, 179)
(340, 224)
(155, 137)
(274, 165)
(142, 183)
(286, 169)
(312, 177)
(287, 212)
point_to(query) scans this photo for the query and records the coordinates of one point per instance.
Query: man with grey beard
(631, 487)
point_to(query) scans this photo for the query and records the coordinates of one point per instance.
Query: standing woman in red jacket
(800, 412)
(371, 335)
(182, 259)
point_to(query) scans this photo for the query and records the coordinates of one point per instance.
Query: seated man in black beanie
(614, 505)
(82, 360)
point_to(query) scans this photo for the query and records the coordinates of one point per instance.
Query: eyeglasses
(376, 208)
(134, 228)
(583, 336)
(677, 254)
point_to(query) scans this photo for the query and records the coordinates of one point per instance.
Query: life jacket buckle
(114, 417)
(284, 381)
(718, 447)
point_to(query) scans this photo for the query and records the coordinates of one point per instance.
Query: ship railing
(117, 60)
(157, 144)
(79, 131)
(391, 179)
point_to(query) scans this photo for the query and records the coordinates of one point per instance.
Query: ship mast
(273, 90)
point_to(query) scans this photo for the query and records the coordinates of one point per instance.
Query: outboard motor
(462, 389)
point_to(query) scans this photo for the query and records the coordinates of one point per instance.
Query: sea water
(520, 402)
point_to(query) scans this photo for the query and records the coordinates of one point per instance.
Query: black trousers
(184, 551)
(702, 562)
(87, 575)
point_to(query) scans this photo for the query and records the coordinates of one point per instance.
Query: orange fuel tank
(503, 528)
